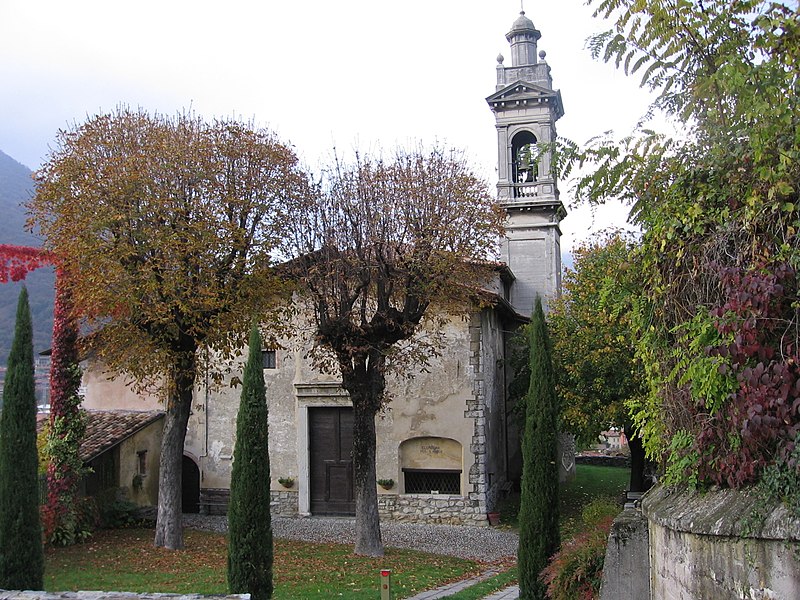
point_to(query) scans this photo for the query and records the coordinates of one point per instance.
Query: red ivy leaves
(764, 411)
(17, 261)
(61, 515)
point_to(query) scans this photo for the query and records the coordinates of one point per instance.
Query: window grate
(268, 359)
(432, 481)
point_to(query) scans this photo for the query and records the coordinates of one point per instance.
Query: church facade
(445, 448)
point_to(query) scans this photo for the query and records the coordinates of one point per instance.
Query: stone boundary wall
(604, 461)
(701, 547)
(424, 508)
(34, 595)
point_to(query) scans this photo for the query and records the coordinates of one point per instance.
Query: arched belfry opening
(524, 158)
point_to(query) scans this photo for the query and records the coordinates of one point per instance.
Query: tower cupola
(523, 37)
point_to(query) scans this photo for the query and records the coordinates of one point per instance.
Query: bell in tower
(526, 108)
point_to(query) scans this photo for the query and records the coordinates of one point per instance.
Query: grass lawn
(125, 560)
(590, 482)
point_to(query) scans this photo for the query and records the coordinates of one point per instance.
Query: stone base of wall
(424, 508)
(284, 503)
(705, 546)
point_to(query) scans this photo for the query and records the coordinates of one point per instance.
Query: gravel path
(475, 543)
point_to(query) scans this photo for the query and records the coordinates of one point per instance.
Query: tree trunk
(169, 522)
(368, 525)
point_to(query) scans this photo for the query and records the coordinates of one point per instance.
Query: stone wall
(626, 570)
(708, 546)
(33, 595)
(427, 508)
(623, 462)
(283, 503)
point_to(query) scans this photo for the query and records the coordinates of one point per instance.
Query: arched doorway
(190, 485)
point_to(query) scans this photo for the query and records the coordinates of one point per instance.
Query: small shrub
(87, 520)
(576, 570)
(115, 510)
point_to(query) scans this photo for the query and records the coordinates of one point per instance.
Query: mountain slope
(16, 187)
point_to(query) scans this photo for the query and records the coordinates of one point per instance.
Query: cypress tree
(21, 556)
(249, 523)
(538, 515)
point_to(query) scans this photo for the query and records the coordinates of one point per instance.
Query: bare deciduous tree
(379, 242)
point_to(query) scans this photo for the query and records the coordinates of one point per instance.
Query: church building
(446, 451)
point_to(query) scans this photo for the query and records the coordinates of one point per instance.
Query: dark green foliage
(538, 516)
(715, 314)
(21, 556)
(249, 523)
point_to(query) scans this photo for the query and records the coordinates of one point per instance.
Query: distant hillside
(16, 187)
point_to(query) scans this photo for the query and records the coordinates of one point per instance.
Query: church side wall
(102, 392)
(490, 429)
(433, 407)
(448, 415)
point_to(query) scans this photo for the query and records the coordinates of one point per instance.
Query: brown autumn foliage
(166, 225)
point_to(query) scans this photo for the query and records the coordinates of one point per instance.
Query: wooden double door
(331, 460)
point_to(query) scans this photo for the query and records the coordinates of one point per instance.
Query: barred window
(268, 359)
(432, 481)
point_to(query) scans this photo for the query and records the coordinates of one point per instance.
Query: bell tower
(526, 108)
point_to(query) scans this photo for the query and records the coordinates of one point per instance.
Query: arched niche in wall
(525, 168)
(431, 465)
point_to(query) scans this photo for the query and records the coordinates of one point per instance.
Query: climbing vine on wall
(63, 517)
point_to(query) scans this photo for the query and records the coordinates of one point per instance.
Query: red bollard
(386, 584)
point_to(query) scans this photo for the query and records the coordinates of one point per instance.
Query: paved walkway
(509, 593)
(452, 588)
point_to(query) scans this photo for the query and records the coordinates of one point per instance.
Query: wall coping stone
(93, 595)
(719, 512)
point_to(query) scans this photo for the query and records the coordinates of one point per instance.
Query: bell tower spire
(526, 108)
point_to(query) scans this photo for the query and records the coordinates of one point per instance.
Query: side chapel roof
(108, 428)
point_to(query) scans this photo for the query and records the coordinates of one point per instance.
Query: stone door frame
(312, 395)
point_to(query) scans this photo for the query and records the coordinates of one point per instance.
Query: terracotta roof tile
(107, 428)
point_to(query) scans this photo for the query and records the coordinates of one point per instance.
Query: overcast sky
(346, 73)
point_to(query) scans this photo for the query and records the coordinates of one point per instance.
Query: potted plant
(386, 484)
(287, 482)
